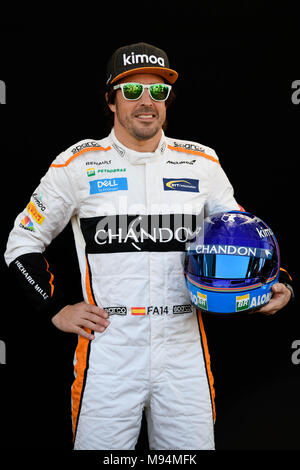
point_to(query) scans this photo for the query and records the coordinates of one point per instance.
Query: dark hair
(111, 94)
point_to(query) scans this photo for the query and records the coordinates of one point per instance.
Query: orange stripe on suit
(82, 352)
(207, 363)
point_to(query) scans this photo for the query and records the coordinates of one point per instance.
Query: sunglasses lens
(159, 91)
(132, 91)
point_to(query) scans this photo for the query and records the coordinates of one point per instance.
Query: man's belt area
(155, 310)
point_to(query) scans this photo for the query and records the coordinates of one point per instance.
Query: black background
(236, 69)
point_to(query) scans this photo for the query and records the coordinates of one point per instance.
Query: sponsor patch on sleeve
(38, 217)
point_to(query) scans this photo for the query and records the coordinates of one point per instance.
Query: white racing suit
(131, 214)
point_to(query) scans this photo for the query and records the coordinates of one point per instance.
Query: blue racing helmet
(232, 263)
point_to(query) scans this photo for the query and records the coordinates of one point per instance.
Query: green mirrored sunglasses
(134, 91)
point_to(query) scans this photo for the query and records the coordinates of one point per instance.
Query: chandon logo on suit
(123, 233)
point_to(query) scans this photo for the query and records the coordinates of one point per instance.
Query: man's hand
(281, 296)
(74, 318)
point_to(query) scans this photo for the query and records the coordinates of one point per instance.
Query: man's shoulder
(87, 145)
(192, 148)
(82, 147)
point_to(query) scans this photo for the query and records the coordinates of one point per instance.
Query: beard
(141, 130)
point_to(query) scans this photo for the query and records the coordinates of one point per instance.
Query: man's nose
(146, 98)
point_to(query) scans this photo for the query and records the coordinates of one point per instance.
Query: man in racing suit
(134, 198)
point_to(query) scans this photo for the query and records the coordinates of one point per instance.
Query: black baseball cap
(139, 58)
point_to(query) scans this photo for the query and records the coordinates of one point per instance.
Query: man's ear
(111, 106)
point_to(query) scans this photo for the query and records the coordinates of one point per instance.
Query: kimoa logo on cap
(133, 58)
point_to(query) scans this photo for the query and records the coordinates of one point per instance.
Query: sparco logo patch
(189, 146)
(133, 58)
(84, 145)
(116, 310)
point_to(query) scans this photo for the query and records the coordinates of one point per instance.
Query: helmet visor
(225, 266)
